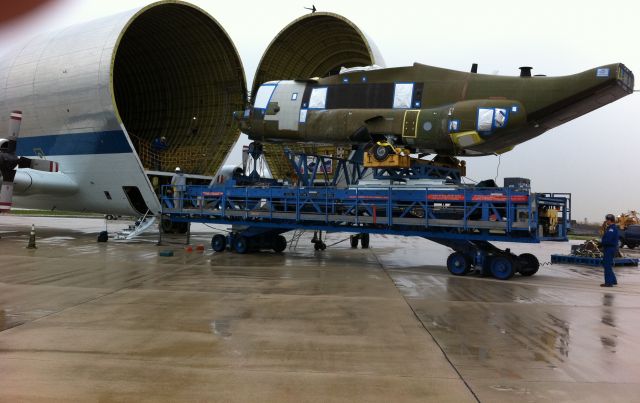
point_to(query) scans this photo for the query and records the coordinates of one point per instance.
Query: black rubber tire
(503, 267)
(364, 241)
(529, 264)
(167, 226)
(182, 227)
(219, 243)
(241, 244)
(103, 236)
(458, 264)
(323, 246)
(380, 153)
(353, 239)
(279, 244)
(316, 246)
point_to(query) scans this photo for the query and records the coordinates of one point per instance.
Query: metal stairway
(137, 228)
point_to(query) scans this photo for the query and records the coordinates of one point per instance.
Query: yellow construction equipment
(623, 220)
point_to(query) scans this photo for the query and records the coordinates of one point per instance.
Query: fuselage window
(402, 95)
(491, 118)
(263, 96)
(318, 98)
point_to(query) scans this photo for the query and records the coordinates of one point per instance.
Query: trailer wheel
(219, 243)
(241, 244)
(353, 239)
(167, 226)
(529, 264)
(280, 244)
(503, 267)
(458, 264)
(364, 241)
(182, 227)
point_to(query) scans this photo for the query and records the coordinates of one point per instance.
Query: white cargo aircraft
(96, 97)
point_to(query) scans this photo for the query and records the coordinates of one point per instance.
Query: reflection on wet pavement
(83, 321)
(535, 338)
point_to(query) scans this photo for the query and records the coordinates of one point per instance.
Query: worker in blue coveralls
(610, 247)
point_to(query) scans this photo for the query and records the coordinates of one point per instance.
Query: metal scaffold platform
(464, 218)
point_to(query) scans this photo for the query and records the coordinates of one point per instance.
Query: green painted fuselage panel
(428, 108)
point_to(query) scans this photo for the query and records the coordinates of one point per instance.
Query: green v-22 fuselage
(428, 109)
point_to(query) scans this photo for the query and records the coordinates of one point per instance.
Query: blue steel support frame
(462, 214)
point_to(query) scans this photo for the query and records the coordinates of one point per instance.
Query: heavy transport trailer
(466, 219)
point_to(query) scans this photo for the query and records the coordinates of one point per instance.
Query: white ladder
(137, 228)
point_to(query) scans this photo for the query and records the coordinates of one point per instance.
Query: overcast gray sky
(595, 157)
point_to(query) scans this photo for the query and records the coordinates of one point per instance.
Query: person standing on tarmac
(610, 247)
(179, 183)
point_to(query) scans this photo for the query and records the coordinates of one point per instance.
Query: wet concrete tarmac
(81, 320)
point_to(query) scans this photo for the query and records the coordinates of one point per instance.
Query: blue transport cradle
(592, 261)
(464, 218)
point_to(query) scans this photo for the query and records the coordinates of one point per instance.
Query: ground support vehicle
(466, 219)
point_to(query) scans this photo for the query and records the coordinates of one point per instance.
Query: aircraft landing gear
(363, 238)
(318, 243)
(170, 227)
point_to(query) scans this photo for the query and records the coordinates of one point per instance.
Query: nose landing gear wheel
(364, 241)
(319, 245)
(458, 264)
(381, 153)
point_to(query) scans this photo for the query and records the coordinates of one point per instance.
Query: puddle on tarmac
(221, 327)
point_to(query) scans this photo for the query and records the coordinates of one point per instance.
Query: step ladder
(138, 228)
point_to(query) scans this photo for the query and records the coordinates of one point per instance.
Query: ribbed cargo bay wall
(167, 69)
(315, 45)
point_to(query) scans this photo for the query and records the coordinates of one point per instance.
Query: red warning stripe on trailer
(212, 193)
(500, 197)
(445, 197)
(369, 197)
(494, 197)
(16, 115)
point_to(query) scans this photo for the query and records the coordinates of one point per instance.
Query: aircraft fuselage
(428, 108)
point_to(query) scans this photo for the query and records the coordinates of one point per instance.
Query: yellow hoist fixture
(385, 155)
